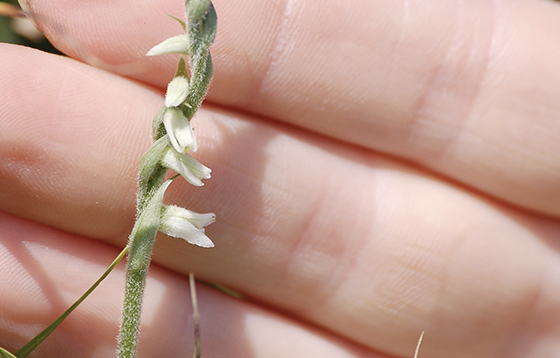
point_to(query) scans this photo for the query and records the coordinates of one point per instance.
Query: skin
(380, 168)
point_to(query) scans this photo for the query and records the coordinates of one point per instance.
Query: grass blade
(38, 339)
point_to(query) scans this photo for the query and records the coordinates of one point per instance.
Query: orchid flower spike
(173, 138)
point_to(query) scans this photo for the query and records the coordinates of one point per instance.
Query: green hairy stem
(166, 152)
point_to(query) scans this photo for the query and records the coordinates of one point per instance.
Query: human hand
(379, 169)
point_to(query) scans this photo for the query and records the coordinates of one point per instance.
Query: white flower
(187, 225)
(187, 166)
(179, 130)
(176, 44)
(177, 91)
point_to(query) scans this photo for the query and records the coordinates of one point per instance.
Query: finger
(469, 91)
(57, 138)
(47, 270)
(402, 255)
(303, 226)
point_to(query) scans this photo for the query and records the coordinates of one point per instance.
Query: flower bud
(177, 91)
(176, 44)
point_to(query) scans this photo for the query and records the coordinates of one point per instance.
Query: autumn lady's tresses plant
(173, 138)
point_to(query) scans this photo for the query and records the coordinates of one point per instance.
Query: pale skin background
(380, 168)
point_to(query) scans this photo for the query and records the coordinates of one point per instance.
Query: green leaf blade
(5, 354)
(24, 351)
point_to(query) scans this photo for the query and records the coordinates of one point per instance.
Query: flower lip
(184, 164)
(179, 129)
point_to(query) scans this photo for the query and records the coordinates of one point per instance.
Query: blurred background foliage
(19, 30)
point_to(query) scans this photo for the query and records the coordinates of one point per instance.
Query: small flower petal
(176, 44)
(187, 166)
(187, 225)
(179, 130)
(177, 91)
(200, 221)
